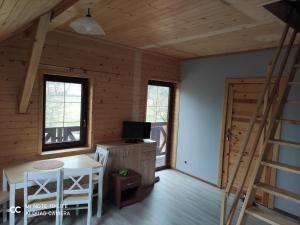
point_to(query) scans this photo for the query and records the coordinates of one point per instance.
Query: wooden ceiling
(18, 14)
(187, 28)
(178, 28)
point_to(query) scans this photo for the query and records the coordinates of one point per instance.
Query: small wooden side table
(126, 189)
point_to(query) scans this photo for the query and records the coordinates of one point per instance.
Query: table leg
(12, 195)
(100, 190)
(4, 188)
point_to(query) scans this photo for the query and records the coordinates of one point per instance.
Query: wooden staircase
(277, 95)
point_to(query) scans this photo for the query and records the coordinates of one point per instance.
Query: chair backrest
(74, 182)
(101, 155)
(42, 180)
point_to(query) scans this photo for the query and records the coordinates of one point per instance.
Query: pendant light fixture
(87, 25)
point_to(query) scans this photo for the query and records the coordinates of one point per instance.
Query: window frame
(84, 112)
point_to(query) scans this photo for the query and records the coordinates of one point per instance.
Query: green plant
(123, 172)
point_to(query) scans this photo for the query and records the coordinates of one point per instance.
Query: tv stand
(139, 157)
(134, 141)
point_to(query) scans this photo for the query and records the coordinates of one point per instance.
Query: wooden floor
(176, 200)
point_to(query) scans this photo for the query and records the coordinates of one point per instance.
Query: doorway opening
(159, 108)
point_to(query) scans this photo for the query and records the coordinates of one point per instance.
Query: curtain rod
(78, 68)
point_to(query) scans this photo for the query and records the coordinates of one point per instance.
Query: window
(65, 112)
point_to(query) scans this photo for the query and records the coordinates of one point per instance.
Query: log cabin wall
(119, 78)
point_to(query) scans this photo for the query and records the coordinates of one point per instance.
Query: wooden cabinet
(148, 167)
(126, 190)
(139, 157)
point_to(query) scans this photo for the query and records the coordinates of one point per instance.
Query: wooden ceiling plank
(204, 35)
(252, 9)
(166, 17)
(5, 9)
(6, 5)
(13, 15)
(27, 10)
(12, 10)
(233, 42)
(33, 63)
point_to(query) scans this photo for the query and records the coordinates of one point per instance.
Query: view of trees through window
(63, 106)
(158, 115)
(157, 103)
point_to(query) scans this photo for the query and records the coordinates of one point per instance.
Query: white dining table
(14, 177)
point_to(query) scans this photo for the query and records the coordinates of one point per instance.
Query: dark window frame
(84, 112)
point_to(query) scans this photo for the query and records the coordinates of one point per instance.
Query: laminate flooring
(177, 199)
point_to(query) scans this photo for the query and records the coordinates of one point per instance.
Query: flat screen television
(135, 131)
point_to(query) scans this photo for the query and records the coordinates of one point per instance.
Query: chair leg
(25, 216)
(77, 210)
(4, 213)
(89, 214)
(61, 216)
(57, 216)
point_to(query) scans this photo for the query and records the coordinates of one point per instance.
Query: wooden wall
(118, 76)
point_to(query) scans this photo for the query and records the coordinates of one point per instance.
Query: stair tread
(287, 143)
(293, 101)
(296, 122)
(294, 83)
(281, 166)
(278, 192)
(268, 217)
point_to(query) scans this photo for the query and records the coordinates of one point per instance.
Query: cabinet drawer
(131, 183)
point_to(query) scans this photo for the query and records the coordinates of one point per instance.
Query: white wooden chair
(4, 197)
(75, 191)
(43, 197)
(101, 156)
